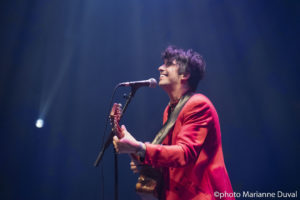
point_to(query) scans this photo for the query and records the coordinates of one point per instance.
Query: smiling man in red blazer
(191, 156)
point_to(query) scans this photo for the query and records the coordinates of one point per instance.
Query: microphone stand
(109, 141)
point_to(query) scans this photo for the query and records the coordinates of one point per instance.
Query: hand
(134, 165)
(127, 144)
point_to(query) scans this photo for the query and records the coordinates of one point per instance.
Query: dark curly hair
(189, 62)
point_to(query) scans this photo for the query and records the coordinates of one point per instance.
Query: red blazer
(191, 155)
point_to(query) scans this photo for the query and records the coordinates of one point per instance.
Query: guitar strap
(163, 132)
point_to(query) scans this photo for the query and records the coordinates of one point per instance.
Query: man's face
(169, 77)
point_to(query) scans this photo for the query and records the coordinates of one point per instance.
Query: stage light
(39, 123)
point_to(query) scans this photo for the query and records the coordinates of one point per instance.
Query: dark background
(61, 59)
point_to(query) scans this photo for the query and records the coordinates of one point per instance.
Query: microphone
(144, 83)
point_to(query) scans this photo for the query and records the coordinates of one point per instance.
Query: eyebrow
(169, 62)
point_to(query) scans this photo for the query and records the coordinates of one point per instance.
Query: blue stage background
(62, 59)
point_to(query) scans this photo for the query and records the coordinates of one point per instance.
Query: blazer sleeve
(195, 122)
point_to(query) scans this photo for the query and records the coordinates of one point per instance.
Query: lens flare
(39, 123)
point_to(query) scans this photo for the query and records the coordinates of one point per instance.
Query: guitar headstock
(115, 116)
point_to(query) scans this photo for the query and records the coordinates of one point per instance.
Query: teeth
(162, 75)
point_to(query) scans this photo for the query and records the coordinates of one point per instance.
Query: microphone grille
(153, 82)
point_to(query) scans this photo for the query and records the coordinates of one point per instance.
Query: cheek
(174, 73)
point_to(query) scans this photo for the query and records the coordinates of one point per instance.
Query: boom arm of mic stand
(133, 90)
(104, 147)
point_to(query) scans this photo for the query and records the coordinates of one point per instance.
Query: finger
(137, 163)
(134, 169)
(115, 138)
(115, 142)
(123, 127)
(116, 149)
(132, 163)
(133, 166)
(115, 146)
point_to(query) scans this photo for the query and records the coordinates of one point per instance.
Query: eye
(169, 63)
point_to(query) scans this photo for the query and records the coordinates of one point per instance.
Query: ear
(186, 76)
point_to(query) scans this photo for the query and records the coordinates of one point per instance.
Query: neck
(176, 94)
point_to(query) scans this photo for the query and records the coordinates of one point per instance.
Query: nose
(161, 68)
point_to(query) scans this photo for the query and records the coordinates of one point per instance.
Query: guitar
(149, 183)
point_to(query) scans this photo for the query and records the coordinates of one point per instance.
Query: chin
(161, 83)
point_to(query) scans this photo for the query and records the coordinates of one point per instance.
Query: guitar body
(149, 184)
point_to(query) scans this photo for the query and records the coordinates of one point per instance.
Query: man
(191, 155)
